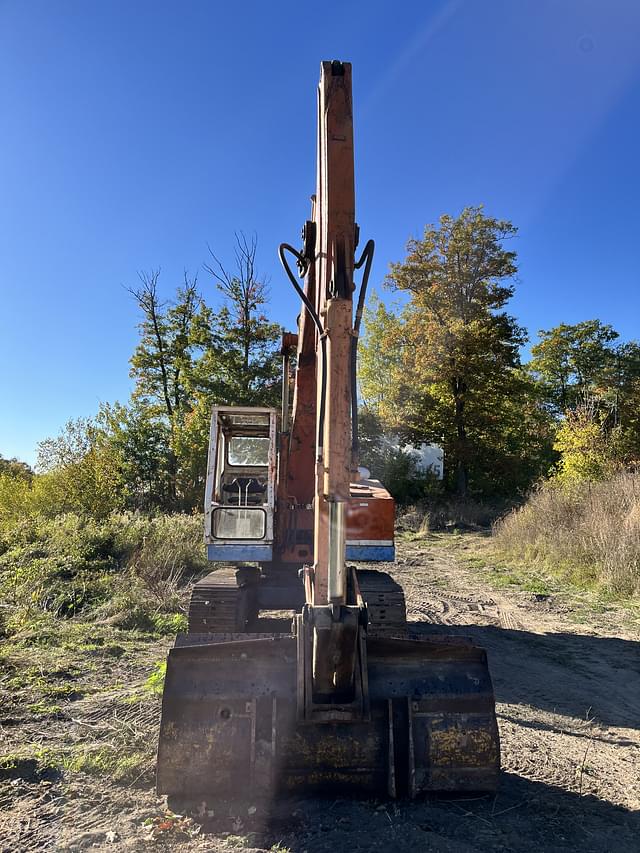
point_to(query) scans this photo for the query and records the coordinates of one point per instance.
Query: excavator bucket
(231, 725)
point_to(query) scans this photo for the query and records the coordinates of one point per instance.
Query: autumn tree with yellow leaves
(446, 367)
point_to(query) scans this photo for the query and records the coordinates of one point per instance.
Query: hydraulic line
(303, 266)
(366, 259)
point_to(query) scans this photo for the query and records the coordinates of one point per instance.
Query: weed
(104, 649)
(31, 763)
(155, 683)
(536, 585)
(121, 765)
(62, 691)
(45, 709)
(243, 841)
(126, 567)
(170, 623)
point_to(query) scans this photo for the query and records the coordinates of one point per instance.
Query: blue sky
(134, 133)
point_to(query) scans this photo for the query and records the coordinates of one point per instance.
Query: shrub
(126, 565)
(163, 552)
(405, 483)
(588, 450)
(16, 502)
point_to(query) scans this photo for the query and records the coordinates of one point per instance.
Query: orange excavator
(340, 695)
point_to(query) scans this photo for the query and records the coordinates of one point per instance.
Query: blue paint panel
(240, 553)
(371, 553)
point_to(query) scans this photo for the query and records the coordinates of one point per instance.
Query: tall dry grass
(589, 531)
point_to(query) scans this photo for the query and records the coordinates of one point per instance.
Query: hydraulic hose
(303, 266)
(367, 259)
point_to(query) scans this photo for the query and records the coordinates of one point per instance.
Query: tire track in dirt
(568, 695)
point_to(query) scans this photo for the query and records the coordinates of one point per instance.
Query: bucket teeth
(229, 721)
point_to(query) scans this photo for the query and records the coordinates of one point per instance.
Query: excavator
(340, 695)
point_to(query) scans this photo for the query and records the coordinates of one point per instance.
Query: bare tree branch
(147, 298)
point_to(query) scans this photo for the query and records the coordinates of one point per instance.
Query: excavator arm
(343, 696)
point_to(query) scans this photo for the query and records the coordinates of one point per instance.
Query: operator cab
(240, 493)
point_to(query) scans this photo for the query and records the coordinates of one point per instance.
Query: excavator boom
(341, 695)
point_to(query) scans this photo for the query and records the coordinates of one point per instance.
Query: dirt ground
(566, 678)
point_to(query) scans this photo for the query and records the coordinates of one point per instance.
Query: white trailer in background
(427, 457)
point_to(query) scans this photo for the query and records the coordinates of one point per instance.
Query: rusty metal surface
(229, 723)
(336, 238)
(371, 513)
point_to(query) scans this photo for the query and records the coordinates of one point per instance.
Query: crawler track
(217, 605)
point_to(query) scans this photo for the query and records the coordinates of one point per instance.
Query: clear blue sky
(133, 133)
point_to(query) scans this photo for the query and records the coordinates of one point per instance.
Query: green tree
(16, 499)
(574, 361)
(141, 439)
(380, 453)
(242, 346)
(381, 355)
(79, 471)
(453, 374)
(191, 443)
(163, 362)
(190, 356)
(15, 468)
(624, 399)
(584, 367)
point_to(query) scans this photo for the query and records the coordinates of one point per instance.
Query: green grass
(500, 573)
(130, 569)
(239, 841)
(119, 764)
(45, 709)
(169, 623)
(30, 761)
(155, 683)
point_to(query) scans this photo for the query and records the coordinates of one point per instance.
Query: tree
(458, 374)
(581, 368)
(162, 363)
(16, 496)
(190, 356)
(247, 355)
(387, 461)
(15, 468)
(162, 360)
(380, 356)
(573, 361)
(141, 439)
(79, 471)
(624, 399)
